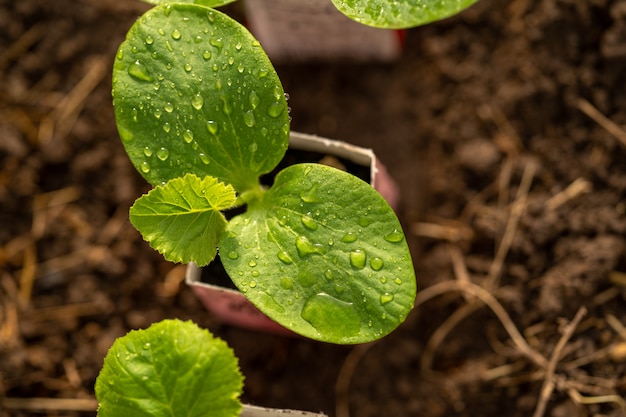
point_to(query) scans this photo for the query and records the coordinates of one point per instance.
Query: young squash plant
(202, 115)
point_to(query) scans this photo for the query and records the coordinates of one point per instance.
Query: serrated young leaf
(399, 14)
(173, 368)
(194, 92)
(323, 254)
(182, 219)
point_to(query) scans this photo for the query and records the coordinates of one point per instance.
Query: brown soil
(502, 128)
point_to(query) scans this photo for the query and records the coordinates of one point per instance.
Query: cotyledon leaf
(323, 254)
(397, 14)
(194, 92)
(182, 219)
(172, 368)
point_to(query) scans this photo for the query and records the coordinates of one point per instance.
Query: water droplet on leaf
(306, 247)
(349, 238)
(394, 237)
(358, 258)
(197, 101)
(248, 118)
(331, 316)
(163, 154)
(139, 71)
(386, 298)
(377, 264)
(284, 257)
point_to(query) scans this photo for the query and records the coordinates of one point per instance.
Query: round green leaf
(195, 93)
(173, 368)
(182, 219)
(323, 254)
(400, 14)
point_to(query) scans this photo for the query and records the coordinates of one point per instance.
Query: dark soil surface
(502, 127)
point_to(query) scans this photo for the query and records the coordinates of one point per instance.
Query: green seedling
(202, 115)
(173, 368)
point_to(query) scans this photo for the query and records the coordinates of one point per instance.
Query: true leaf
(399, 14)
(195, 93)
(182, 219)
(173, 368)
(323, 254)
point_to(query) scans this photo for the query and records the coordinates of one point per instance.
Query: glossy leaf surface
(398, 14)
(195, 93)
(173, 368)
(323, 254)
(182, 219)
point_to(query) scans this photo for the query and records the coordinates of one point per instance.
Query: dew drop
(255, 273)
(168, 45)
(205, 159)
(309, 222)
(149, 40)
(176, 34)
(197, 39)
(252, 263)
(217, 42)
(349, 238)
(188, 136)
(138, 71)
(383, 280)
(169, 107)
(212, 127)
(311, 195)
(187, 67)
(147, 151)
(386, 298)
(358, 258)
(145, 167)
(157, 113)
(377, 264)
(248, 118)
(206, 55)
(275, 109)
(233, 255)
(252, 284)
(306, 247)
(397, 281)
(394, 237)
(197, 101)
(163, 154)
(286, 283)
(156, 85)
(331, 316)
(364, 222)
(253, 147)
(167, 127)
(238, 46)
(284, 257)
(329, 274)
(231, 60)
(254, 99)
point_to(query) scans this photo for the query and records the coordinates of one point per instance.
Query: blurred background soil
(503, 128)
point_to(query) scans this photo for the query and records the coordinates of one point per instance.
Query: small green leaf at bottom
(182, 219)
(173, 368)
